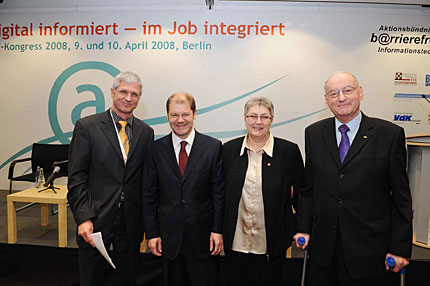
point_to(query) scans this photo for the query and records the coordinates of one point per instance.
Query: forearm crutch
(391, 262)
(301, 241)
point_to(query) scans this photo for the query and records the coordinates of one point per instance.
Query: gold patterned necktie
(123, 137)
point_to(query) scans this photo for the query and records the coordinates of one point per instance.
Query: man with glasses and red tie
(355, 208)
(183, 198)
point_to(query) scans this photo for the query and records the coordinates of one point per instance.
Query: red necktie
(183, 157)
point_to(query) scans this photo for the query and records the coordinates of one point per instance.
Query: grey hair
(128, 77)
(261, 101)
(341, 72)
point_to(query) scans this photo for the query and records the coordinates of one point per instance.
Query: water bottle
(36, 177)
(41, 178)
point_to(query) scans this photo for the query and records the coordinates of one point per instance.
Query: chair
(44, 156)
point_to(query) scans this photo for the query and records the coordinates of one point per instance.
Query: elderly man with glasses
(355, 208)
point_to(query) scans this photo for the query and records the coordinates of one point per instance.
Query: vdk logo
(398, 117)
(405, 117)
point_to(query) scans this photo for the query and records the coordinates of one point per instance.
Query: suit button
(183, 201)
(340, 201)
(334, 226)
(340, 176)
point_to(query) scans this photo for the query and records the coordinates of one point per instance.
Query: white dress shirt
(353, 126)
(177, 143)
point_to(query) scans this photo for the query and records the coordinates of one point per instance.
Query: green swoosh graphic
(163, 119)
(227, 134)
(150, 121)
(58, 84)
(241, 132)
(28, 148)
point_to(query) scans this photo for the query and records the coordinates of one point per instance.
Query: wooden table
(43, 198)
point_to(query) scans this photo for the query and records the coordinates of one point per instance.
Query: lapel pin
(268, 164)
(365, 137)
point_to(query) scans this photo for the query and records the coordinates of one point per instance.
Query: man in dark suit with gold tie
(105, 184)
(184, 198)
(355, 208)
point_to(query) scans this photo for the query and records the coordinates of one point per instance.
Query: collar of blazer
(364, 134)
(109, 131)
(197, 150)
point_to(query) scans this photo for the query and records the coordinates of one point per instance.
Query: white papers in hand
(98, 241)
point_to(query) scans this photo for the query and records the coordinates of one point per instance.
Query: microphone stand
(51, 178)
(50, 187)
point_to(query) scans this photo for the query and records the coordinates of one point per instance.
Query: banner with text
(58, 66)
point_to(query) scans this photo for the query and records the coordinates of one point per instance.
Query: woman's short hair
(261, 101)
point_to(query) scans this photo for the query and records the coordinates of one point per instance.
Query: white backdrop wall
(53, 72)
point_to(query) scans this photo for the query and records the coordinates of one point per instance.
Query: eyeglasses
(347, 90)
(254, 117)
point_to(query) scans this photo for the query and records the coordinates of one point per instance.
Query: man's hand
(306, 236)
(400, 262)
(216, 243)
(85, 230)
(154, 245)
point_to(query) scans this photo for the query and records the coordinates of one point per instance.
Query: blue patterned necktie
(344, 142)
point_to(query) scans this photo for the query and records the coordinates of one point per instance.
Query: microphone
(425, 97)
(56, 163)
(52, 176)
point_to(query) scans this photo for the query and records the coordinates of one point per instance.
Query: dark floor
(39, 245)
(31, 233)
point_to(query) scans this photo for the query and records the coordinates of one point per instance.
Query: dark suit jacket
(193, 203)
(284, 172)
(97, 175)
(367, 198)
